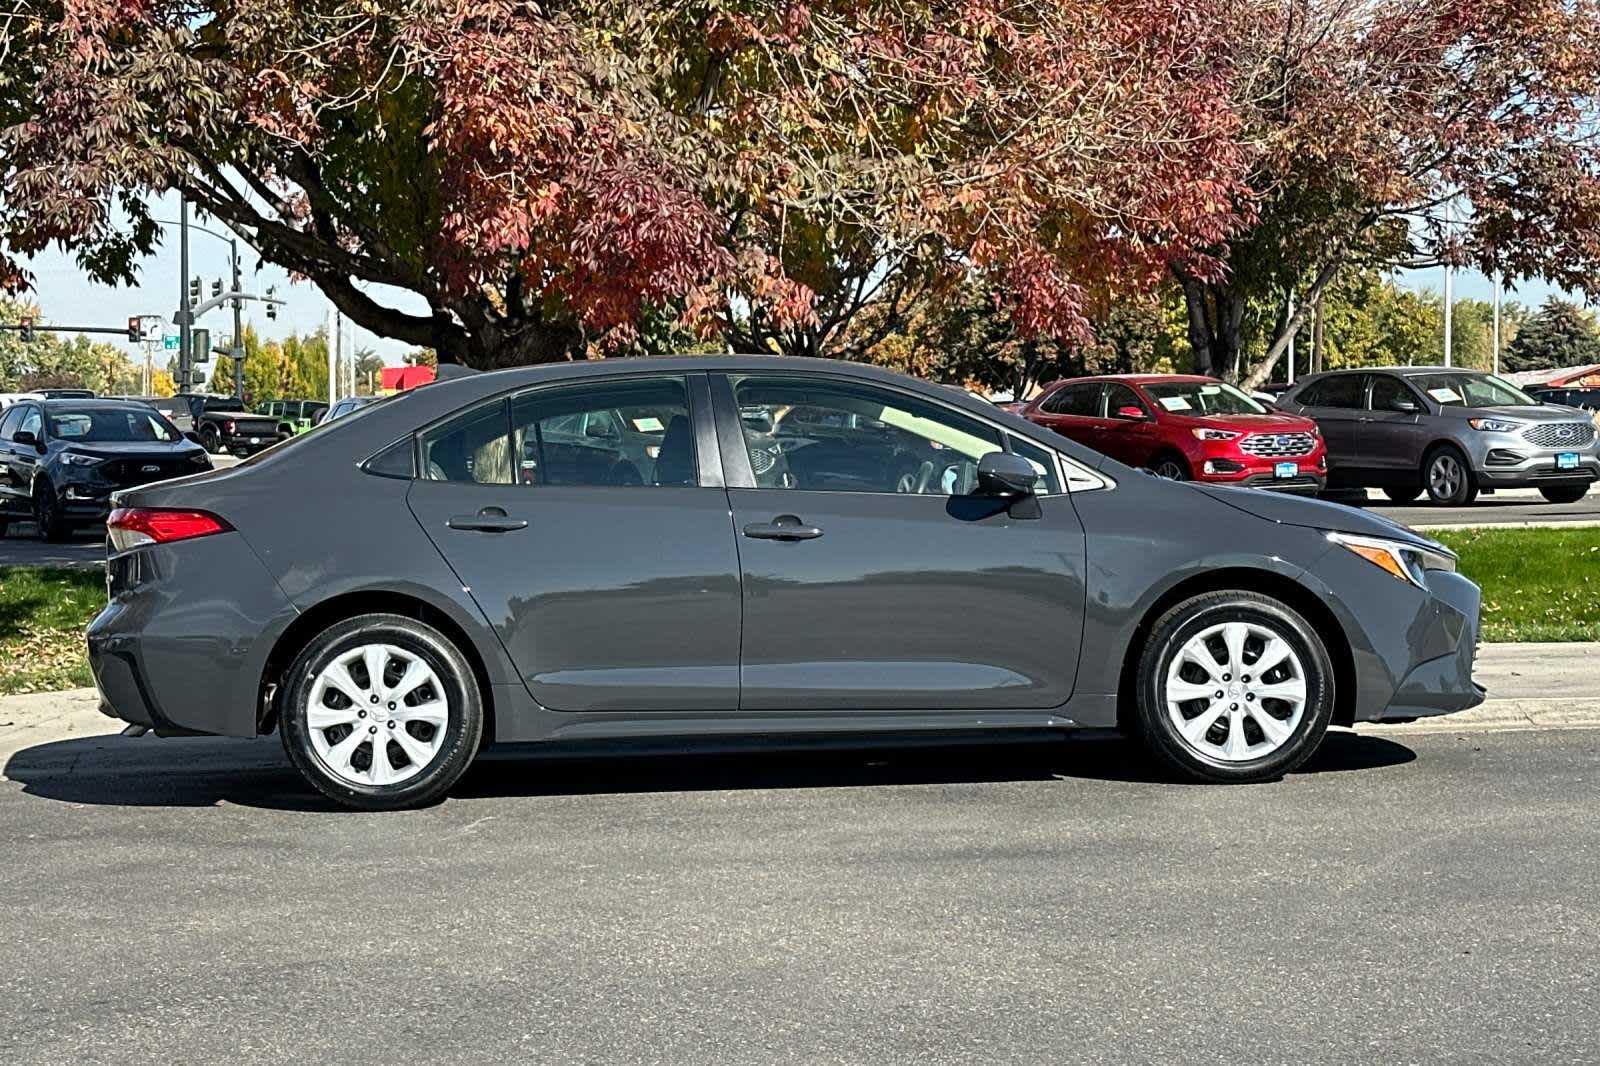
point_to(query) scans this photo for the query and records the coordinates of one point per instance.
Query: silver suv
(1449, 432)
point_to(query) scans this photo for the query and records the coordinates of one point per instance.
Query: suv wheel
(1233, 687)
(381, 712)
(1170, 467)
(47, 512)
(1448, 477)
(211, 439)
(1405, 495)
(1563, 493)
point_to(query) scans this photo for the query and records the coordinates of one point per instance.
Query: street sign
(169, 342)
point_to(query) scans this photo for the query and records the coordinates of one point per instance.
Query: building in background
(393, 379)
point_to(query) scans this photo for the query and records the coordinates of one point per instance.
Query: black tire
(1405, 495)
(1448, 477)
(1191, 618)
(47, 512)
(211, 439)
(463, 729)
(1563, 493)
(1170, 466)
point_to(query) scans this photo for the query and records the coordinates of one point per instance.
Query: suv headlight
(1402, 559)
(1215, 434)
(1494, 425)
(77, 459)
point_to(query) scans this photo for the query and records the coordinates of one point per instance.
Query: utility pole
(238, 324)
(184, 317)
(1449, 289)
(1496, 322)
(333, 370)
(1291, 339)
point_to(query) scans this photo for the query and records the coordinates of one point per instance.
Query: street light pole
(238, 324)
(184, 316)
(1497, 322)
(1449, 289)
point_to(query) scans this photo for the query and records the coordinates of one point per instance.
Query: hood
(133, 449)
(1310, 513)
(1542, 413)
(1272, 422)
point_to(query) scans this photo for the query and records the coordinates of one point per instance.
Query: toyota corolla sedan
(756, 546)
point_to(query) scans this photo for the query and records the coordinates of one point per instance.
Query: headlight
(1214, 434)
(1494, 425)
(76, 459)
(1407, 561)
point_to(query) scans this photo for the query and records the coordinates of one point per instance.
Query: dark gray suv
(1447, 432)
(748, 545)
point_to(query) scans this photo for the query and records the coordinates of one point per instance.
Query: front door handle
(488, 520)
(784, 527)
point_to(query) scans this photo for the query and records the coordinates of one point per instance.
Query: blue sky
(66, 296)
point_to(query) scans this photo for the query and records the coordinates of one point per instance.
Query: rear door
(1074, 411)
(13, 495)
(874, 577)
(1338, 405)
(611, 579)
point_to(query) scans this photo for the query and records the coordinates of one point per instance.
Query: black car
(614, 549)
(1585, 398)
(63, 459)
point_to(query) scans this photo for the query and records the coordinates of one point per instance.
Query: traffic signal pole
(185, 317)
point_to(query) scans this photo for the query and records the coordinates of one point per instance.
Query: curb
(1526, 523)
(1510, 714)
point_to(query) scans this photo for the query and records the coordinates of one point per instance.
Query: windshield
(112, 425)
(1472, 390)
(1202, 398)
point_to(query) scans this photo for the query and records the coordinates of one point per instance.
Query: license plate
(1285, 469)
(255, 440)
(1567, 461)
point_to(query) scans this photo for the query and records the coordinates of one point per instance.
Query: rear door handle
(488, 520)
(784, 527)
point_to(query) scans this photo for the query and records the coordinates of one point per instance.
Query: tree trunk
(1216, 316)
(1291, 326)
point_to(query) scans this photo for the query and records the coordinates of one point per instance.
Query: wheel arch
(1246, 579)
(1172, 451)
(336, 609)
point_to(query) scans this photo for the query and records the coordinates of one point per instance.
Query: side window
(837, 436)
(1043, 461)
(1118, 396)
(1341, 390)
(9, 424)
(1082, 400)
(1391, 394)
(472, 447)
(634, 432)
(32, 422)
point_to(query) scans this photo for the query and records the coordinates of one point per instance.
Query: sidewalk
(1531, 686)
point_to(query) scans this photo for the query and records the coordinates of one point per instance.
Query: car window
(472, 447)
(1118, 396)
(1082, 399)
(31, 421)
(1201, 398)
(1043, 460)
(9, 424)
(101, 425)
(1341, 390)
(836, 436)
(618, 433)
(1459, 389)
(1392, 394)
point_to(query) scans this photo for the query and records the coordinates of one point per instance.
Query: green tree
(51, 360)
(1559, 334)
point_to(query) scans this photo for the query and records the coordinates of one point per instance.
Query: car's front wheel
(1233, 687)
(381, 712)
(1170, 467)
(1563, 493)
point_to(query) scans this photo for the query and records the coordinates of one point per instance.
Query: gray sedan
(1449, 432)
(749, 546)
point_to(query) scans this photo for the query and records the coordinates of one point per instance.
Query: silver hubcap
(1236, 691)
(1170, 470)
(377, 715)
(1444, 477)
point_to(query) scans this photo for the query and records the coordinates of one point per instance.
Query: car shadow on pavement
(205, 771)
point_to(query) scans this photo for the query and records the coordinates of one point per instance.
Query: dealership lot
(1042, 903)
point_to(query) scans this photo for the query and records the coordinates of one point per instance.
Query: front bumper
(1508, 460)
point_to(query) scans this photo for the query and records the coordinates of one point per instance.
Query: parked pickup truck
(220, 424)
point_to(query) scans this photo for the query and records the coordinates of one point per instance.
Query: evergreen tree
(1559, 334)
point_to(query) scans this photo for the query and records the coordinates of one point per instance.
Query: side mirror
(1129, 413)
(1404, 406)
(26, 437)
(1006, 474)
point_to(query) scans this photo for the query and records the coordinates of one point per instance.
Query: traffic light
(199, 346)
(135, 328)
(272, 308)
(27, 329)
(216, 288)
(194, 289)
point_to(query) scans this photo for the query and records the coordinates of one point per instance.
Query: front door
(1394, 438)
(1126, 437)
(874, 577)
(603, 558)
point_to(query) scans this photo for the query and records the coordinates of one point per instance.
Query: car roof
(99, 403)
(1403, 371)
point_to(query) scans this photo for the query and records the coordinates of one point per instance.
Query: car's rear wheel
(381, 712)
(1233, 687)
(211, 439)
(1563, 493)
(1405, 495)
(1448, 478)
(1171, 467)
(47, 518)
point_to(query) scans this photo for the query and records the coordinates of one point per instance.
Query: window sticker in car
(1175, 403)
(1445, 395)
(648, 425)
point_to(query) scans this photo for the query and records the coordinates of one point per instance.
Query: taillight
(230, 427)
(131, 527)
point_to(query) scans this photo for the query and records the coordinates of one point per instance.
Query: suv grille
(1559, 434)
(1277, 445)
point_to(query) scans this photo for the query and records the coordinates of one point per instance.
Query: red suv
(1186, 428)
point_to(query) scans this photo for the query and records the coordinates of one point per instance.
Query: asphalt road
(1425, 898)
